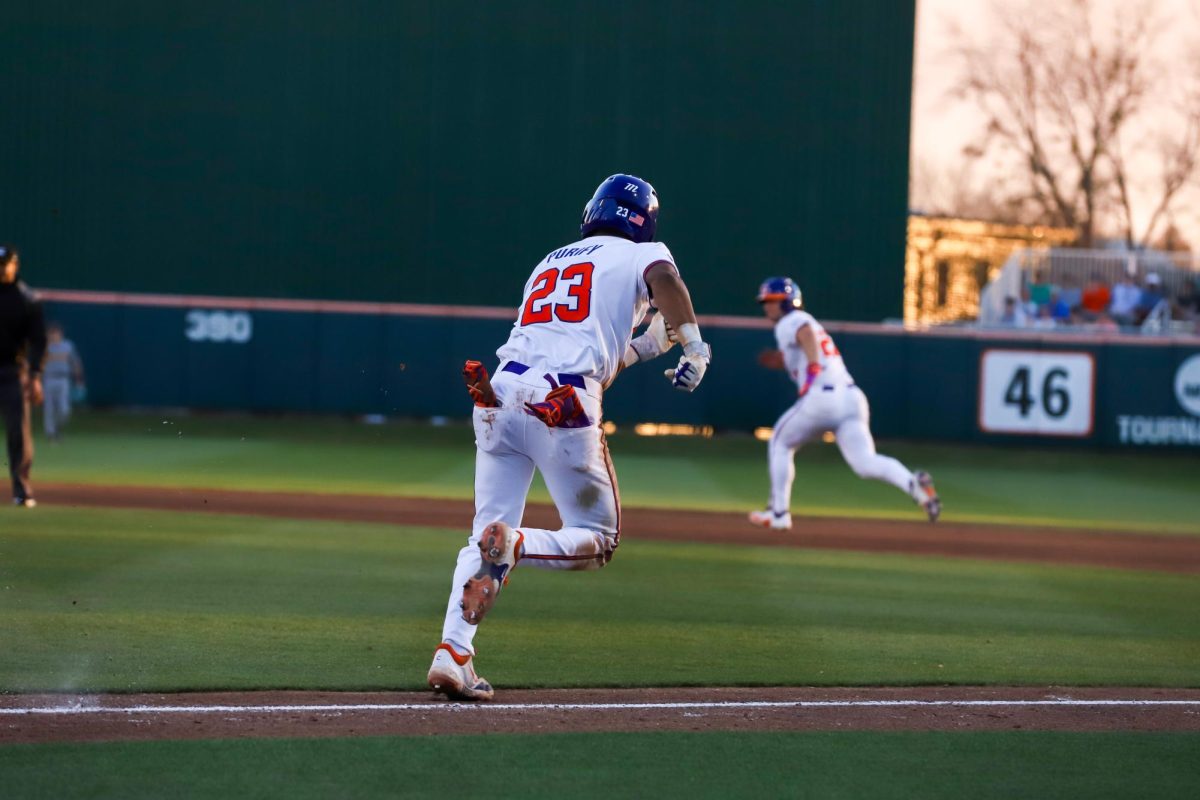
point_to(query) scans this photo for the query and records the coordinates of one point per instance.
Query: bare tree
(1178, 158)
(1078, 106)
(960, 190)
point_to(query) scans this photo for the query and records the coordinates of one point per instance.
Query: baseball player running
(541, 410)
(828, 401)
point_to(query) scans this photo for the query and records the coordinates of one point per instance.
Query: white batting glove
(658, 339)
(692, 366)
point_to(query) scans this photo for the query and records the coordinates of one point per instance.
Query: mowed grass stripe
(887, 766)
(114, 600)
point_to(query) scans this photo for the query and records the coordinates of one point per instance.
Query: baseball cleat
(24, 502)
(776, 521)
(454, 675)
(932, 503)
(499, 547)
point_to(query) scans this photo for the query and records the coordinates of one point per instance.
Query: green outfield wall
(406, 361)
(413, 151)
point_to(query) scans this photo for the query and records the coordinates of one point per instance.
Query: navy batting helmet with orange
(781, 290)
(625, 205)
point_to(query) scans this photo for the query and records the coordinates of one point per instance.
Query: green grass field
(880, 766)
(124, 600)
(107, 600)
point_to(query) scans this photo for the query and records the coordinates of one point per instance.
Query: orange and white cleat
(775, 520)
(932, 503)
(453, 675)
(500, 548)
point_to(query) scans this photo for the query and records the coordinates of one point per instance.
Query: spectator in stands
(1027, 304)
(1070, 293)
(1039, 291)
(1014, 313)
(1125, 297)
(1095, 298)
(1151, 296)
(1060, 310)
(1045, 319)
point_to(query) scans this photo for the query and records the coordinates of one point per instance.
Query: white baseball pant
(840, 407)
(578, 472)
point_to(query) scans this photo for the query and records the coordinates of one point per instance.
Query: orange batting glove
(479, 385)
(560, 409)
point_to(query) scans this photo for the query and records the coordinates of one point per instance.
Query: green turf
(1148, 492)
(141, 600)
(881, 766)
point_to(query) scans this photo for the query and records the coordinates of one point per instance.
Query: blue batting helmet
(783, 290)
(625, 205)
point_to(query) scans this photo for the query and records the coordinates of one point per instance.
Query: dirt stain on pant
(588, 496)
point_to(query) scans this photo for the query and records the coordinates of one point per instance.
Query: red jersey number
(828, 348)
(537, 308)
(580, 293)
(540, 308)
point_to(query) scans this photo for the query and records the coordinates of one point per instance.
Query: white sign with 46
(1036, 392)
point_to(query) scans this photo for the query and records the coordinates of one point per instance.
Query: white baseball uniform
(580, 307)
(61, 365)
(833, 403)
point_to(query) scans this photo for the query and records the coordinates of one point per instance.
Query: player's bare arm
(663, 281)
(806, 337)
(34, 391)
(671, 296)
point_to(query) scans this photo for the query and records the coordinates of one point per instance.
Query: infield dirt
(314, 714)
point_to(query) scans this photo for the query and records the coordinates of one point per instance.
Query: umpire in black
(22, 345)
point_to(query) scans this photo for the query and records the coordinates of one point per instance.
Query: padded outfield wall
(432, 152)
(406, 360)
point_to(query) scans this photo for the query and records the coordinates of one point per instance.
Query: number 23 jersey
(832, 367)
(581, 305)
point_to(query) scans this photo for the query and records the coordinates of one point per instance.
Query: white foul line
(483, 707)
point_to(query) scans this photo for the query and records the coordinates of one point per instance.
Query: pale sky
(941, 126)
